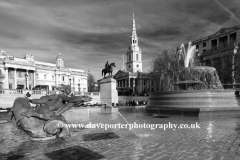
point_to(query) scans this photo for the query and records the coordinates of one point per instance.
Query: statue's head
(65, 88)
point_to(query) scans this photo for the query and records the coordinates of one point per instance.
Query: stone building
(26, 73)
(214, 48)
(130, 76)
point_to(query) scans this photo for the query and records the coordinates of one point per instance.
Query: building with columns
(219, 48)
(26, 73)
(130, 76)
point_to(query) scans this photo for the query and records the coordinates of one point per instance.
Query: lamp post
(235, 50)
(26, 76)
(70, 83)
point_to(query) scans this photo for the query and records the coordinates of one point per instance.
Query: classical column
(6, 78)
(34, 79)
(15, 78)
(133, 84)
(129, 82)
(150, 85)
(27, 84)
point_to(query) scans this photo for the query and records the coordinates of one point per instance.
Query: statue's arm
(42, 100)
(75, 99)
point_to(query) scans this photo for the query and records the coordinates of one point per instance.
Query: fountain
(195, 90)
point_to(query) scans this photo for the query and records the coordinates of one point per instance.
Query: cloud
(90, 32)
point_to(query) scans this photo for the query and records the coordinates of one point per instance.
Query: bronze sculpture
(42, 121)
(108, 69)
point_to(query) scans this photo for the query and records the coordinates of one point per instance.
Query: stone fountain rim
(194, 91)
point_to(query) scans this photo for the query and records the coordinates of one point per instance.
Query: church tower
(134, 53)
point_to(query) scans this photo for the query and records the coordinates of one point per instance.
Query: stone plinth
(108, 91)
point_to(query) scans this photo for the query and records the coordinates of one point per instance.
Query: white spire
(123, 63)
(134, 27)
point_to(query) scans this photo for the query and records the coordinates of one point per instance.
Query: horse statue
(108, 70)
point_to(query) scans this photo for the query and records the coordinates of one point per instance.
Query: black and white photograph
(119, 80)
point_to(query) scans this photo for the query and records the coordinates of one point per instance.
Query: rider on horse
(107, 66)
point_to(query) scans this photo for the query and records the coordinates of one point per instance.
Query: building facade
(221, 47)
(131, 77)
(26, 73)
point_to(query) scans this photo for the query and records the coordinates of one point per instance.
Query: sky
(88, 33)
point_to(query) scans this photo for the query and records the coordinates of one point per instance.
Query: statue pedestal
(108, 91)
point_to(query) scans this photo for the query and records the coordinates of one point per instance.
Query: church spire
(134, 53)
(134, 33)
(134, 27)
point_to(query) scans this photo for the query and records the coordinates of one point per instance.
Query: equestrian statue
(108, 69)
(45, 121)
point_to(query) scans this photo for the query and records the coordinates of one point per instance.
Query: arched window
(137, 57)
(129, 57)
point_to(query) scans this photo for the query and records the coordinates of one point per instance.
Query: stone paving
(218, 138)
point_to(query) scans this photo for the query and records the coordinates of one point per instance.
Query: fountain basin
(194, 102)
(83, 113)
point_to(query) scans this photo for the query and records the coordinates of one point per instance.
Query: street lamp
(235, 50)
(70, 82)
(26, 76)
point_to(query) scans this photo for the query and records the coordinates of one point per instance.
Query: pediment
(120, 74)
(222, 31)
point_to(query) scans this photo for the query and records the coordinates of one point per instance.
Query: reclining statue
(46, 120)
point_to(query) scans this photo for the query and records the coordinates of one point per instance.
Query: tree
(224, 66)
(166, 67)
(91, 82)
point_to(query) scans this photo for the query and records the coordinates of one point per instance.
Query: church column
(150, 85)
(6, 78)
(133, 84)
(129, 82)
(126, 83)
(15, 78)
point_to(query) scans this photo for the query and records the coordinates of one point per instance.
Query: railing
(218, 49)
(88, 93)
(41, 92)
(23, 92)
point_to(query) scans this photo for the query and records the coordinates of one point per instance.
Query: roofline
(208, 37)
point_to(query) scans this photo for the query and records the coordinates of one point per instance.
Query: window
(10, 86)
(53, 77)
(204, 44)
(129, 66)
(63, 78)
(45, 76)
(36, 76)
(129, 57)
(204, 50)
(137, 65)
(137, 57)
